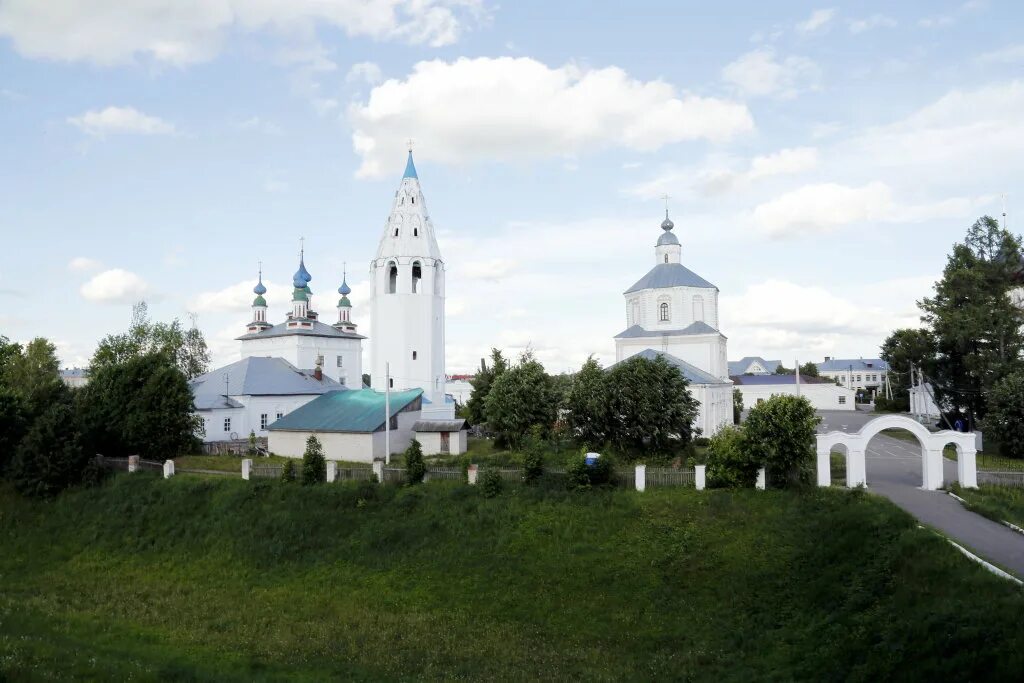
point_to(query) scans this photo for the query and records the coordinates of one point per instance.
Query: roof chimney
(828, 358)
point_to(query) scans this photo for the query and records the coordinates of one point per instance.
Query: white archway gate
(932, 444)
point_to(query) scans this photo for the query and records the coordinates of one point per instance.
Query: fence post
(246, 468)
(760, 479)
(133, 463)
(700, 476)
(471, 473)
(332, 471)
(378, 469)
(641, 478)
(168, 469)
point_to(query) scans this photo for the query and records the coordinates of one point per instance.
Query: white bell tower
(407, 301)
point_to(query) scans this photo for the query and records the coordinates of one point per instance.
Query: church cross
(408, 143)
(666, 198)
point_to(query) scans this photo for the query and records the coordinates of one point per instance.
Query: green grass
(182, 579)
(222, 463)
(999, 503)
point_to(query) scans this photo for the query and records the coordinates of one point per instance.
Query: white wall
(821, 396)
(248, 417)
(460, 390)
(642, 307)
(354, 446)
(715, 407)
(431, 442)
(302, 351)
(922, 401)
(705, 351)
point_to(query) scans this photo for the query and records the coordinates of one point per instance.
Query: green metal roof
(299, 295)
(345, 411)
(344, 302)
(259, 301)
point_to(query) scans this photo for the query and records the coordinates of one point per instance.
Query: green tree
(650, 405)
(903, 349)
(13, 424)
(186, 348)
(809, 369)
(586, 405)
(521, 398)
(730, 462)
(50, 458)
(976, 326)
(780, 436)
(288, 471)
(737, 406)
(415, 468)
(314, 465)
(33, 373)
(1005, 419)
(476, 406)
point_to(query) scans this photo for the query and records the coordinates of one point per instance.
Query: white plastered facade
(303, 351)
(821, 396)
(351, 446)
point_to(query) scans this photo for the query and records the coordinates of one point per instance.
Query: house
(753, 365)
(855, 373)
(822, 393)
(75, 377)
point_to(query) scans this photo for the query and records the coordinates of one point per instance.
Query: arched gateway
(932, 443)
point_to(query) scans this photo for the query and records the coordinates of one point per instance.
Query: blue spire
(259, 288)
(344, 290)
(410, 168)
(302, 277)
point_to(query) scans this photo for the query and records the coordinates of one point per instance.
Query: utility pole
(796, 364)
(387, 413)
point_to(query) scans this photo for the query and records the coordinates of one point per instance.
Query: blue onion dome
(667, 224)
(344, 290)
(259, 301)
(302, 270)
(259, 289)
(667, 238)
(298, 282)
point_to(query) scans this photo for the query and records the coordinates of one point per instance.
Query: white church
(673, 312)
(314, 384)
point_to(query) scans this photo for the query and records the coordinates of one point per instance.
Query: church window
(417, 275)
(391, 382)
(413, 200)
(666, 258)
(396, 232)
(403, 200)
(415, 232)
(263, 422)
(280, 415)
(663, 313)
(227, 424)
(392, 278)
(340, 362)
(414, 355)
(698, 308)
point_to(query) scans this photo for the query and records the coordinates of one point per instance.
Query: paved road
(894, 471)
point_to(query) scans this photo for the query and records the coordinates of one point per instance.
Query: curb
(1010, 525)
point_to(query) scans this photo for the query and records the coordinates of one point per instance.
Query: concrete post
(967, 468)
(332, 471)
(472, 473)
(700, 477)
(932, 469)
(246, 468)
(640, 479)
(168, 469)
(824, 466)
(856, 467)
(378, 470)
(759, 484)
(133, 463)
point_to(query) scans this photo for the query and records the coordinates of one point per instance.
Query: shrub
(314, 465)
(580, 475)
(533, 465)
(288, 470)
(251, 450)
(780, 436)
(490, 483)
(894, 405)
(50, 458)
(415, 468)
(729, 461)
(1005, 418)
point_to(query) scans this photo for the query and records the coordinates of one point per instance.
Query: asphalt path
(894, 470)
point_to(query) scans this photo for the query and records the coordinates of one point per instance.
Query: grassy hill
(233, 580)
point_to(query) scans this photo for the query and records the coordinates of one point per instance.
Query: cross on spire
(302, 246)
(408, 143)
(666, 198)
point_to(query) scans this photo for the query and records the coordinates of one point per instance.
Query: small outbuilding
(442, 437)
(349, 424)
(823, 394)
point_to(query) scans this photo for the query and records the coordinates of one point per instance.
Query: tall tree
(521, 398)
(1005, 421)
(901, 350)
(651, 407)
(186, 348)
(779, 435)
(977, 328)
(476, 406)
(586, 405)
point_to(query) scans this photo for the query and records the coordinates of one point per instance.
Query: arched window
(666, 258)
(698, 308)
(636, 313)
(663, 312)
(417, 275)
(415, 232)
(413, 199)
(396, 231)
(392, 278)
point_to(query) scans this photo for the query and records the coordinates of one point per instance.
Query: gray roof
(667, 238)
(68, 373)
(771, 380)
(670, 275)
(699, 327)
(859, 364)
(739, 367)
(692, 373)
(318, 329)
(256, 376)
(439, 426)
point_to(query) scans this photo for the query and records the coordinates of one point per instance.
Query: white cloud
(518, 108)
(84, 264)
(259, 125)
(824, 207)
(100, 123)
(236, 298)
(817, 22)
(366, 72)
(873, 21)
(180, 33)
(115, 286)
(1010, 54)
(490, 269)
(784, 162)
(759, 73)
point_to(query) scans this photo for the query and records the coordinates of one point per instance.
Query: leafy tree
(562, 383)
(902, 349)
(51, 458)
(976, 326)
(9, 353)
(1005, 420)
(476, 406)
(780, 435)
(288, 471)
(33, 373)
(415, 468)
(519, 399)
(142, 405)
(809, 369)
(737, 406)
(491, 483)
(580, 475)
(780, 369)
(650, 405)
(251, 450)
(586, 405)
(13, 423)
(730, 462)
(186, 348)
(314, 465)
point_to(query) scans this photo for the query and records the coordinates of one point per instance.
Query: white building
(672, 311)
(922, 401)
(302, 339)
(75, 377)
(407, 302)
(753, 365)
(855, 373)
(250, 394)
(822, 393)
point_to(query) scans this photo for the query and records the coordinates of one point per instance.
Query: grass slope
(998, 503)
(230, 580)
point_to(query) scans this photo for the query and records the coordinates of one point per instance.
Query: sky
(820, 160)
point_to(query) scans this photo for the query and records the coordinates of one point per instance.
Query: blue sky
(820, 158)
